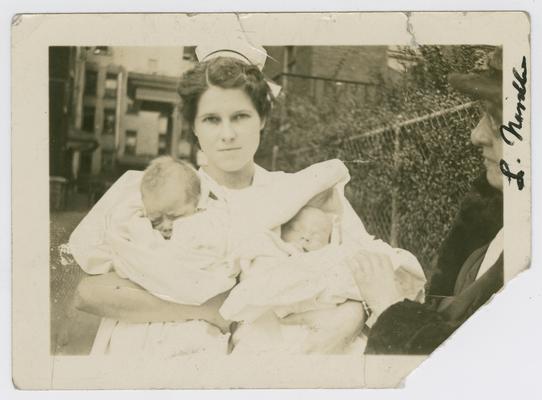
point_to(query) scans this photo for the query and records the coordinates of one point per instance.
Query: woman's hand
(375, 277)
(211, 314)
(332, 329)
(110, 296)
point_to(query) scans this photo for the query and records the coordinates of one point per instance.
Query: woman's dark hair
(227, 73)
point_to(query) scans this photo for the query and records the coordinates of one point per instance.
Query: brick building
(315, 70)
(114, 108)
(130, 104)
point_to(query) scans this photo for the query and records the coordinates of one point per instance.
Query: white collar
(493, 253)
(210, 189)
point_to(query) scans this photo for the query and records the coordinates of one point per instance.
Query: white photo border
(30, 268)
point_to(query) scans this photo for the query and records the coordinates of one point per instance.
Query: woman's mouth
(230, 149)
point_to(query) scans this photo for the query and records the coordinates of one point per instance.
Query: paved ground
(72, 331)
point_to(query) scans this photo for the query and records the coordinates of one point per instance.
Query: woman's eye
(491, 123)
(211, 120)
(241, 116)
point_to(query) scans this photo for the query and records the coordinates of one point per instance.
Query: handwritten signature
(513, 128)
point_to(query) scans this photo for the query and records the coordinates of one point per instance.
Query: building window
(131, 142)
(86, 163)
(108, 161)
(88, 119)
(163, 137)
(91, 82)
(111, 84)
(109, 122)
(162, 145)
(163, 124)
(132, 107)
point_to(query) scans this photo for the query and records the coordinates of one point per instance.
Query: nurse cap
(240, 49)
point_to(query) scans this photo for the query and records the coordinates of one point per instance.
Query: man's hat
(483, 85)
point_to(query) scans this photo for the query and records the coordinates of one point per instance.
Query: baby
(309, 230)
(170, 189)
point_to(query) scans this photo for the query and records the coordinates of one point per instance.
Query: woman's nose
(482, 134)
(227, 133)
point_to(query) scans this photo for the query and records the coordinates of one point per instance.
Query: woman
(479, 271)
(227, 102)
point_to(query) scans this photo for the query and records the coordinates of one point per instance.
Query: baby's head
(309, 230)
(170, 189)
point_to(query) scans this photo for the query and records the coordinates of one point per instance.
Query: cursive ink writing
(514, 127)
(505, 169)
(520, 85)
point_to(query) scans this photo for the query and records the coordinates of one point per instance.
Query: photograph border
(30, 44)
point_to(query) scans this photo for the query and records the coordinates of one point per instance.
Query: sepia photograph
(388, 112)
(240, 198)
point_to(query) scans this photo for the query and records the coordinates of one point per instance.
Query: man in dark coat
(408, 327)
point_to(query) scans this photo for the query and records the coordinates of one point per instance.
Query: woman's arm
(110, 296)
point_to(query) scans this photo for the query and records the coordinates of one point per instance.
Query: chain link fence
(408, 178)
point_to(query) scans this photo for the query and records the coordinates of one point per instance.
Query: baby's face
(164, 207)
(309, 230)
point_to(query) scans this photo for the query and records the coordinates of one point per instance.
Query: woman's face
(228, 128)
(486, 136)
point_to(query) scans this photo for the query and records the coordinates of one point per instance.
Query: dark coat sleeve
(412, 328)
(478, 220)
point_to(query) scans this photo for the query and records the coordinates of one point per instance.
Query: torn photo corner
(387, 153)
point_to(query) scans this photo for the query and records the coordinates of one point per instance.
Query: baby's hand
(331, 329)
(375, 277)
